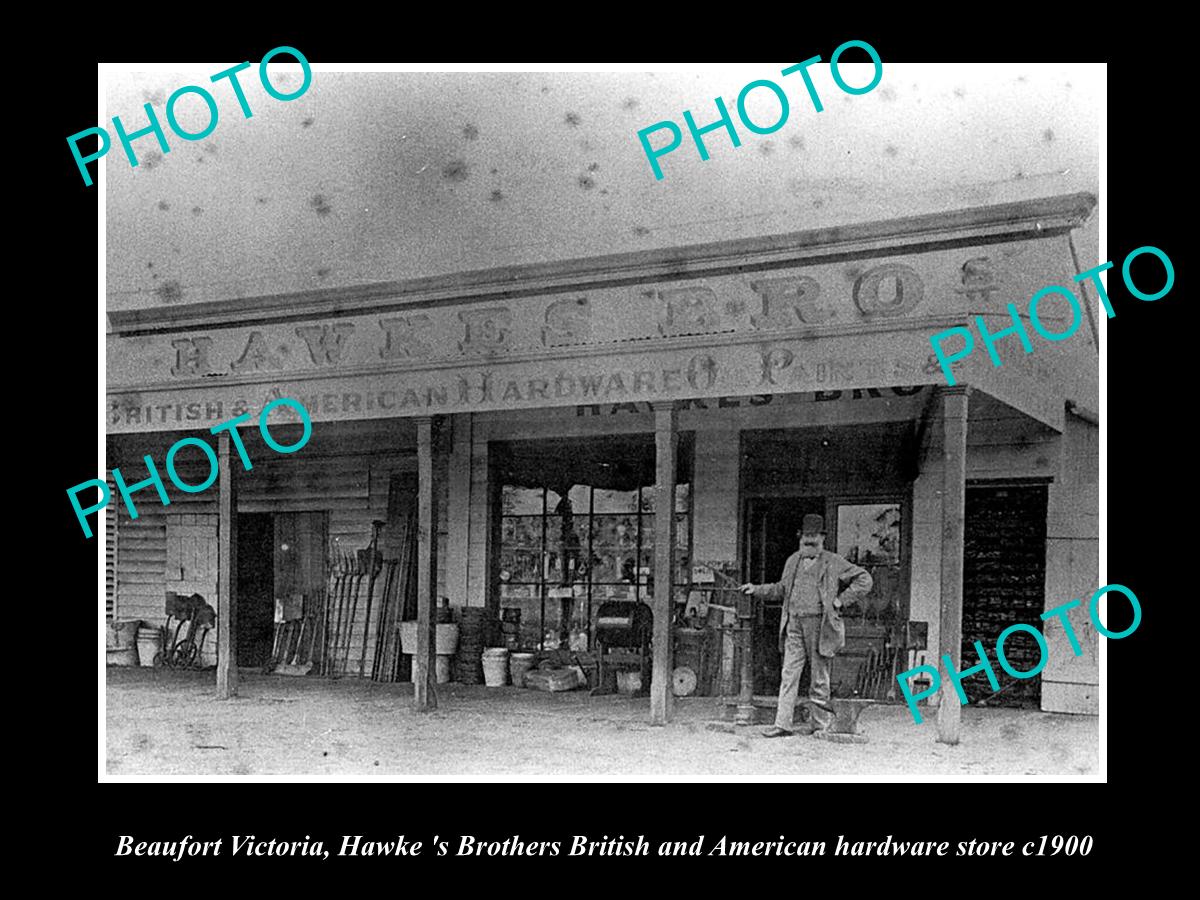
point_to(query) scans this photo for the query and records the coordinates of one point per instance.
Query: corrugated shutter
(1004, 583)
(110, 561)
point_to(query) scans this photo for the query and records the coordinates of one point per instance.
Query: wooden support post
(424, 670)
(227, 669)
(745, 635)
(954, 489)
(666, 441)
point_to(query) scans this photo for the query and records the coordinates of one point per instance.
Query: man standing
(810, 622)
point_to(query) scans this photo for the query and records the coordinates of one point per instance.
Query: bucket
(442, 667)
(445, 642)
(495, 666)
(447, 639)
(629, 682)
(149, 644)
(518, 665)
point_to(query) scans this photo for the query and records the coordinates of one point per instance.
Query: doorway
(280, 555)
(1004, 582)
(771, 527)
(255, 588)
(859, 478)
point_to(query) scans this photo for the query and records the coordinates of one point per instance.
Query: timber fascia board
(1036, 218)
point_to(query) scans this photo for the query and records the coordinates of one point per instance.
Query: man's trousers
(800, 647)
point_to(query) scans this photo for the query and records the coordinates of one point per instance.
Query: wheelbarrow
(199, 616)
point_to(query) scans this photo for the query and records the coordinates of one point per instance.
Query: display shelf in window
(614, 566)
(519, 593)
(613, 531)
(522, 566)
(522, 531)
(683, 565)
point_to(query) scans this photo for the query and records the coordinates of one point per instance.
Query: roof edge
(1039, 217)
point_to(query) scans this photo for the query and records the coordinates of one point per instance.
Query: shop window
(563, 553)
(869, 534)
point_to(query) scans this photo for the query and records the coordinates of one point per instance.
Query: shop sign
(843, 363)
(823, 327)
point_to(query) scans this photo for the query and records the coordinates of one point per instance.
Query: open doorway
(858, 478)
(255, 587)
(280, 555)
(771, 527)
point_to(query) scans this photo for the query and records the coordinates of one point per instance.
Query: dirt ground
(167, 723)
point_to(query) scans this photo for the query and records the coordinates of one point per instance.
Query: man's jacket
(834, 571)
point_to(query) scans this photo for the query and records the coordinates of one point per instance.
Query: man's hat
(812, 524)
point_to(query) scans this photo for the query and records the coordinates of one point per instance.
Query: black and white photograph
(701, 423)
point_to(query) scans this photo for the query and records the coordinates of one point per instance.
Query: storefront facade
(535, 415)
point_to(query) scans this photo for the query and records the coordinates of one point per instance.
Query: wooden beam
(424, 670)
(954, 489)
(227, 670)
(666, 442)
(1038, 218)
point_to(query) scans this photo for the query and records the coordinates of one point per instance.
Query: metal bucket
(495, 666)
(518, 665)
(149, 645)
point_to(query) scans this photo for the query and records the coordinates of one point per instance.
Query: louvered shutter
(110, 561)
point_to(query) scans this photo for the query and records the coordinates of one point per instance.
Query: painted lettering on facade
(256, 357)
(405, 337)
(889, 290)
(690, 310)
(191, 356)
(584, 383)
(789, 302)
(568, 322)
(597, 409)
(325, 342)
(486, 330)
(730, 305)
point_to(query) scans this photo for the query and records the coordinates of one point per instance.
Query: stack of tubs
(446, 644)
(475, 627)
(446, 641)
